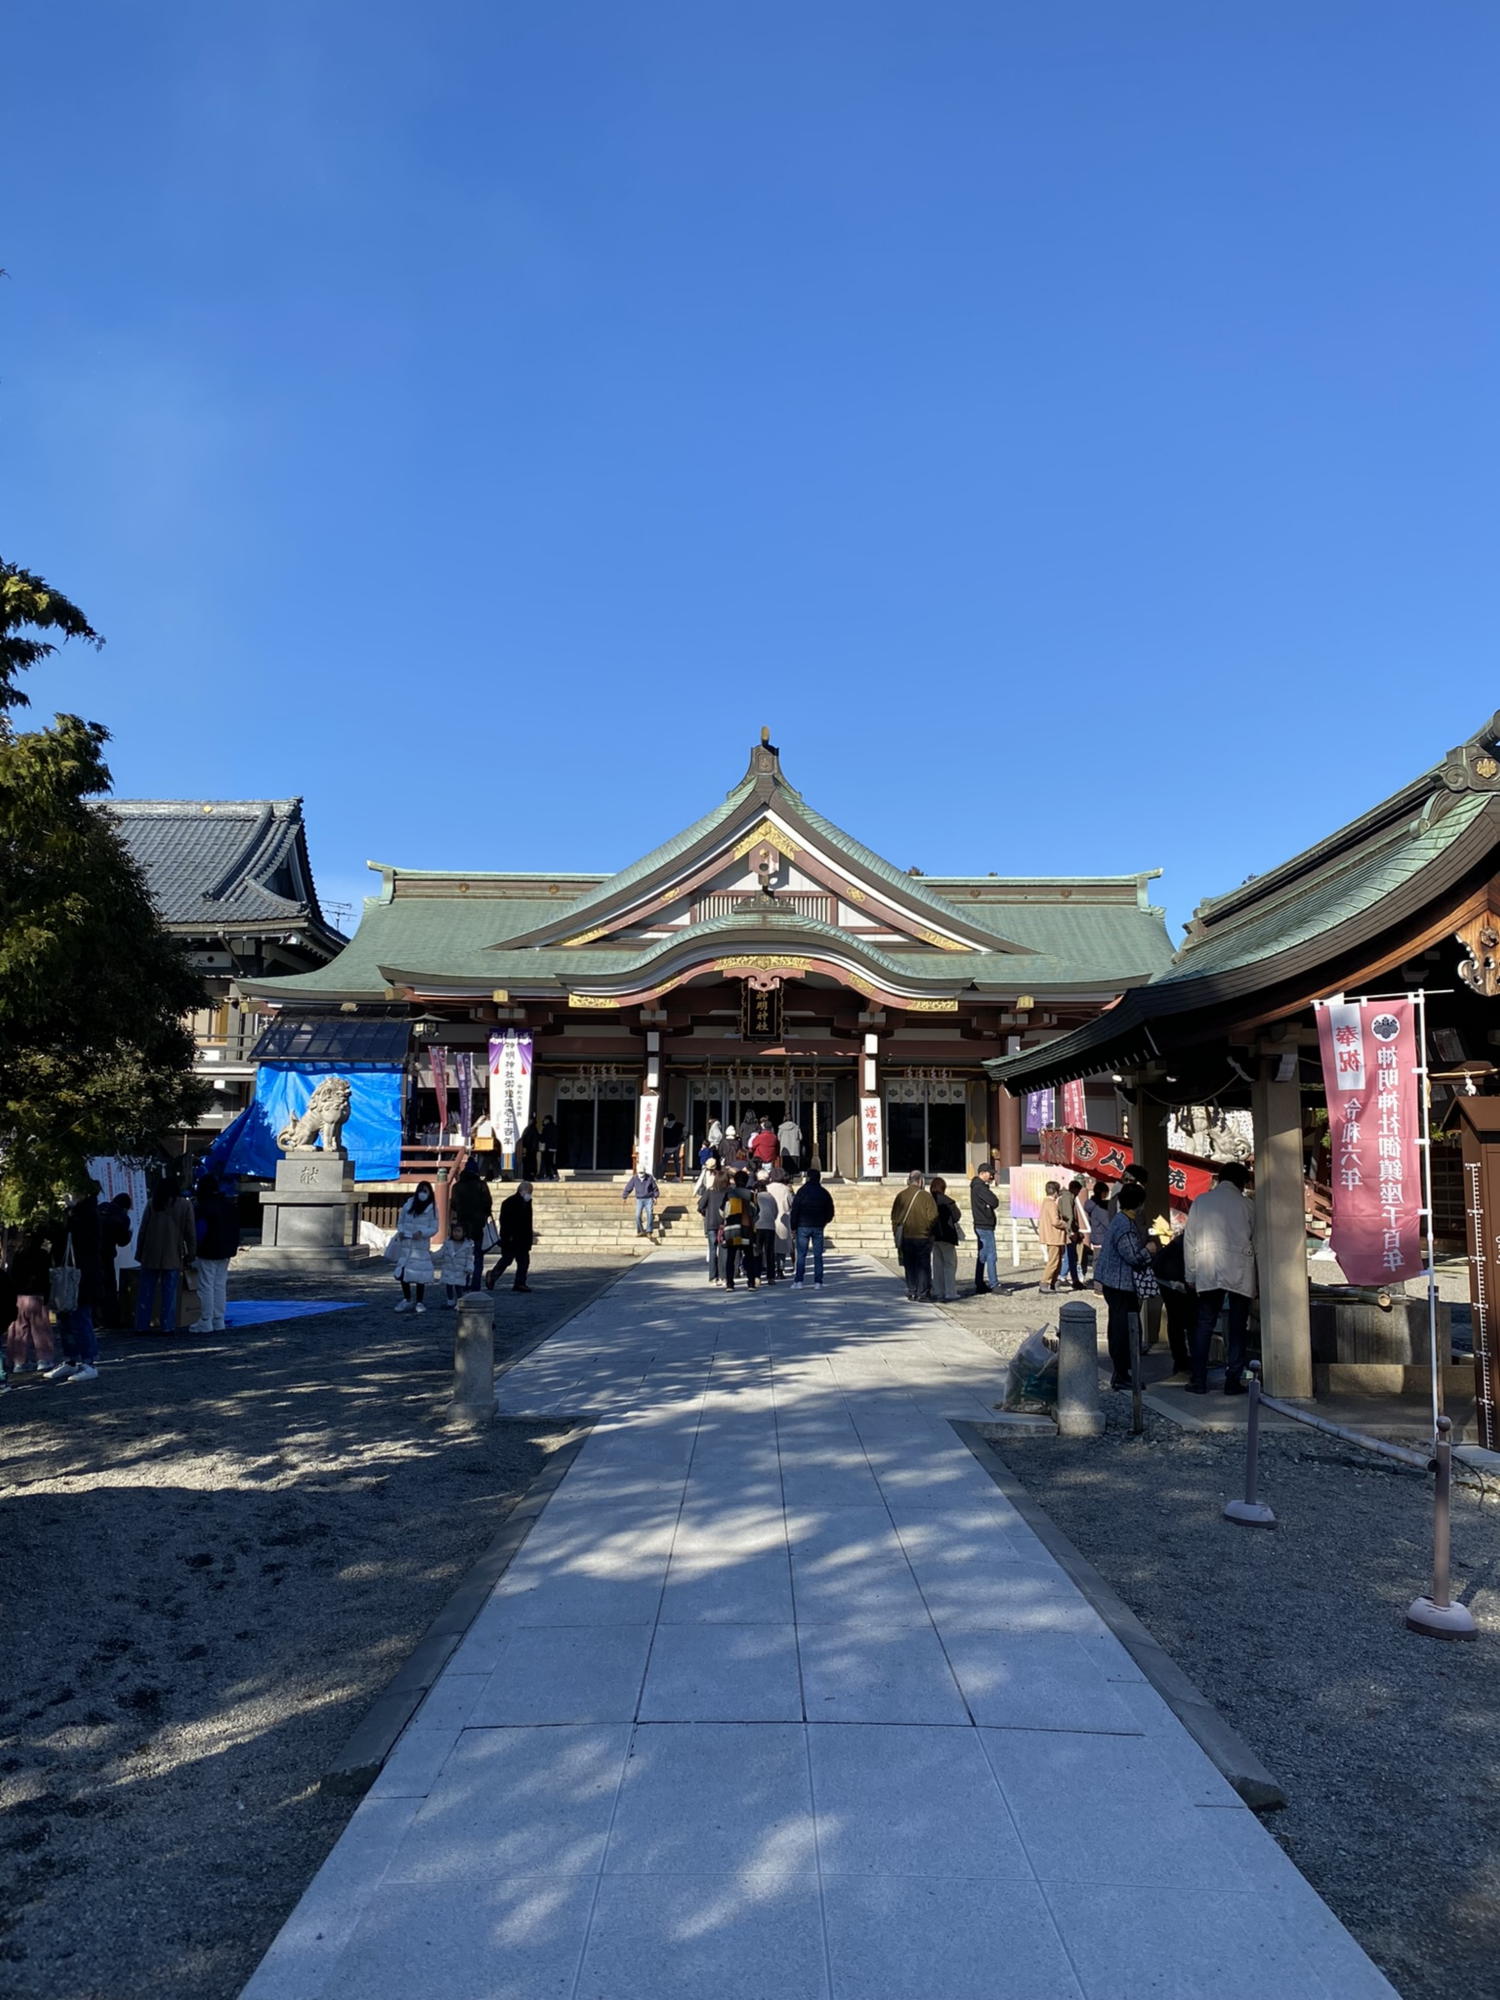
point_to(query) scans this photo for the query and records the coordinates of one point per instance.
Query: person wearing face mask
(517, 1234)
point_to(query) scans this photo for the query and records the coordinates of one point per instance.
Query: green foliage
(27, 605)
(95, 1056)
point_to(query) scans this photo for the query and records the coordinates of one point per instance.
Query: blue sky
(1071, 427)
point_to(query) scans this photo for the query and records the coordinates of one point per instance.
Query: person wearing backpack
(740, 1211)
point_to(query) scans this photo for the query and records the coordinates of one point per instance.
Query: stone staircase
(589, 1217)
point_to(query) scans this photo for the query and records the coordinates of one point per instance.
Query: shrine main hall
(761, 961)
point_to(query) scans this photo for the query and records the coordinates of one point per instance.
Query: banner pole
(1425, 1087)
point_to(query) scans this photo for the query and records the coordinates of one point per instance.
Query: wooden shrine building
(1405, 897)
(759, 962)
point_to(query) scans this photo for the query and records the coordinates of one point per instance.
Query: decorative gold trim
(590, 1000)
(773, 837)
(855, 895)
(929, 1006)
(500, 996)
(1479, 969)
(760, 963)
(583, 937)
(942, 943)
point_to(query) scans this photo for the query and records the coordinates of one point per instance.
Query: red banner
(1106, 1158)
(1370, 1065)
(439, 1060)
(1074, 1106)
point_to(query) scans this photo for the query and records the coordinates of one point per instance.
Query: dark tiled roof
(215, 862)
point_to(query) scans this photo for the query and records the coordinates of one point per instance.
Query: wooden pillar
(1281, 1236)
(1148, 1143)
(1008, 1115)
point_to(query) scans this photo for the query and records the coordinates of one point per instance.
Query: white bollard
(1079, 1413)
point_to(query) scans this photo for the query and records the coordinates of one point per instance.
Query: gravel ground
(212, 1559)
(1388, 1744)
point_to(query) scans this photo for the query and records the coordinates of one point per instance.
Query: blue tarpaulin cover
(372, 1136)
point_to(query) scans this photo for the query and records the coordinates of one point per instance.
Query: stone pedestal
(310, 1219)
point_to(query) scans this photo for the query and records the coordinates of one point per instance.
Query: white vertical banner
(510, 1087)
(871, 1140)
(647, 1120)
(116, 1177)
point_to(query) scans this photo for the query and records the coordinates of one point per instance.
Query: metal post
(472, 1404)
(1251, 1512)
(1436, 1616)
(1078, 1409)
(1137, 1411)
(1015, 1244)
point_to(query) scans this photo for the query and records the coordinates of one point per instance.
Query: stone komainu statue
(325, 1117)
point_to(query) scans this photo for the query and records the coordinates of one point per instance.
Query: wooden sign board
(1479, 1119)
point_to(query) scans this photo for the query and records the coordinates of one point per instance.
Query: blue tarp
(265, 1312)
(372, 1137)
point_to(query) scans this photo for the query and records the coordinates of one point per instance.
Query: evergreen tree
(95, 1052)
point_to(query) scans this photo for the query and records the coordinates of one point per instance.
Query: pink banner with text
(1370, 1074)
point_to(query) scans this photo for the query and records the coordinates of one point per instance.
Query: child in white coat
(457, 1262)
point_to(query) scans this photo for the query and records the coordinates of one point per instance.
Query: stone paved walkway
(781, 1700)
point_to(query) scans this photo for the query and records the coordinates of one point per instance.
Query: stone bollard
(472, 1405)
(1078, 1409)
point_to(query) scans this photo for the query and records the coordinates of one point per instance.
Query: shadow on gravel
(211, 1561)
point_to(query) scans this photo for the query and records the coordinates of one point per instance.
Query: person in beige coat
(165, 1247)
(1218, 1253)
(1053, 1230)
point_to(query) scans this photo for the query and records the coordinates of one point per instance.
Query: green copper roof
(1106, 944)
(448, 936)
(1309, 910)
(1292, 930)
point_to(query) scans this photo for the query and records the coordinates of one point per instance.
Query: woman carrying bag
(411, 1247)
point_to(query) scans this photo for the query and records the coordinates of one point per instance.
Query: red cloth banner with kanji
(1104, 1157)
(1370, 1074)
(1074, 1106)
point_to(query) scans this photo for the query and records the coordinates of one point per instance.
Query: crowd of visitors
(62, 1285)
(1199, 1272)
(754, 1226)
(759, 1230)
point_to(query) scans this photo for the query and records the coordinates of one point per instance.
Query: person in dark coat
(671, 1147)
(217, 1205)
(549, 1149)
(810, 1214)
(517, 1234)
(80, 1342)
(473, 1205)
(114, 1236)
(984, 1212)
(531, 1148)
